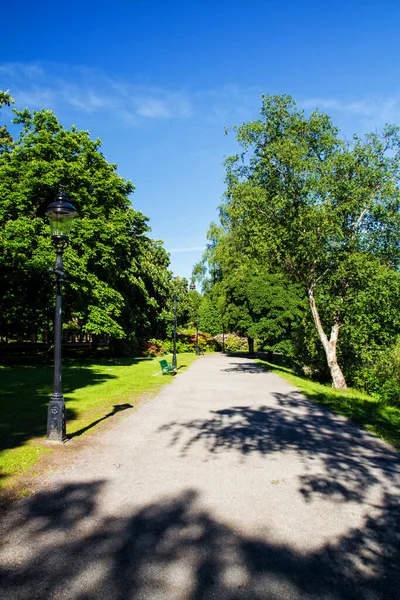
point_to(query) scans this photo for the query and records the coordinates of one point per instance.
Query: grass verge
(370, 413)
(94, 390)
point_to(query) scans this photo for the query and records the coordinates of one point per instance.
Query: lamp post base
(56, 420)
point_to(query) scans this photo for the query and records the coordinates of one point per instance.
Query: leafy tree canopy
(118, 279)
(301, 199)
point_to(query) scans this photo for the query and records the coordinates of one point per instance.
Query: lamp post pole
(56, 418)
(197, 336)
(175, 305)
(61, 214)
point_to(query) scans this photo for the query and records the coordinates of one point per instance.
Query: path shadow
(175, 549)
(342, 461)
(250, 367)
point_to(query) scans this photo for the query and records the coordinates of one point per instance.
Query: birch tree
(303, 199)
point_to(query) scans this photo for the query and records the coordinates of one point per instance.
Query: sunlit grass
(93, 389)
(370, 413)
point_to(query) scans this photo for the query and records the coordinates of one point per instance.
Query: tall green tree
(246, 296)
(263, 306)
(194, 306)
(304, 200)
(117, 277)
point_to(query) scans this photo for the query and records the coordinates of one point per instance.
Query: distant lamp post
(61, 214)
(192, 286)
(197, 335)
(175, 301)
(223, 340)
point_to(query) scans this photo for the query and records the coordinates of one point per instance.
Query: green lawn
(94, 389)
(362, 409)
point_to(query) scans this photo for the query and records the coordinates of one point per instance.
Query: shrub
(205, 341)
(212, 345)
(232, 342)
(154, 348)
(168, 346)
(186, 342)
(184, 346)
(382, 377)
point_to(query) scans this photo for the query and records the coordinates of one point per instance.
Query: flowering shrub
(185, 342)
(202, 341)
(232, 342)
(205, 341)
(154, 348)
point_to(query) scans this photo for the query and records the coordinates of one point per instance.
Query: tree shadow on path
(350, 460)
(241, 367)
(175, 549)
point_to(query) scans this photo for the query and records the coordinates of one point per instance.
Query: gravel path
(228, 485)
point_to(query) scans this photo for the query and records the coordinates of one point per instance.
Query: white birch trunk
(338, 380)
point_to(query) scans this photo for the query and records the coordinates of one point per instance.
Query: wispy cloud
(371, 111)
(231, 104)
(153, 108)
(90, 91)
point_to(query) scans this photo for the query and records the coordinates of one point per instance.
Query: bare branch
(363, 213)
(322, 275)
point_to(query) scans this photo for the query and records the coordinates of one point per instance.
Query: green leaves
(117, 281)
(302, 201)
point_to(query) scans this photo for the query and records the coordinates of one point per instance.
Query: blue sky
(159, 81)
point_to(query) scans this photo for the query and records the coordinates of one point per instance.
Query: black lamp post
(197, 335)
(61, 214)
(175, 301)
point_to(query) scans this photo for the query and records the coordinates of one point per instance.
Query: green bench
(166, 368)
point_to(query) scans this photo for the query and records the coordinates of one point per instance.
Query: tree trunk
(250, 342)
(338, 380)
(95, 343)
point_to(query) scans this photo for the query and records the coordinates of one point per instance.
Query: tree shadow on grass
(175, 549)
(273, 367)
(24, 396)
(338, 459)
(47, 360)
(127, 361)
(355, 406)
(362, 411)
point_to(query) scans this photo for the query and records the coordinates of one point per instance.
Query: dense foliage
(309, 219)
(118, 283)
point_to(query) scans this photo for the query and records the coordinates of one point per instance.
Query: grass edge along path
(366, 411)
(93, 389)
